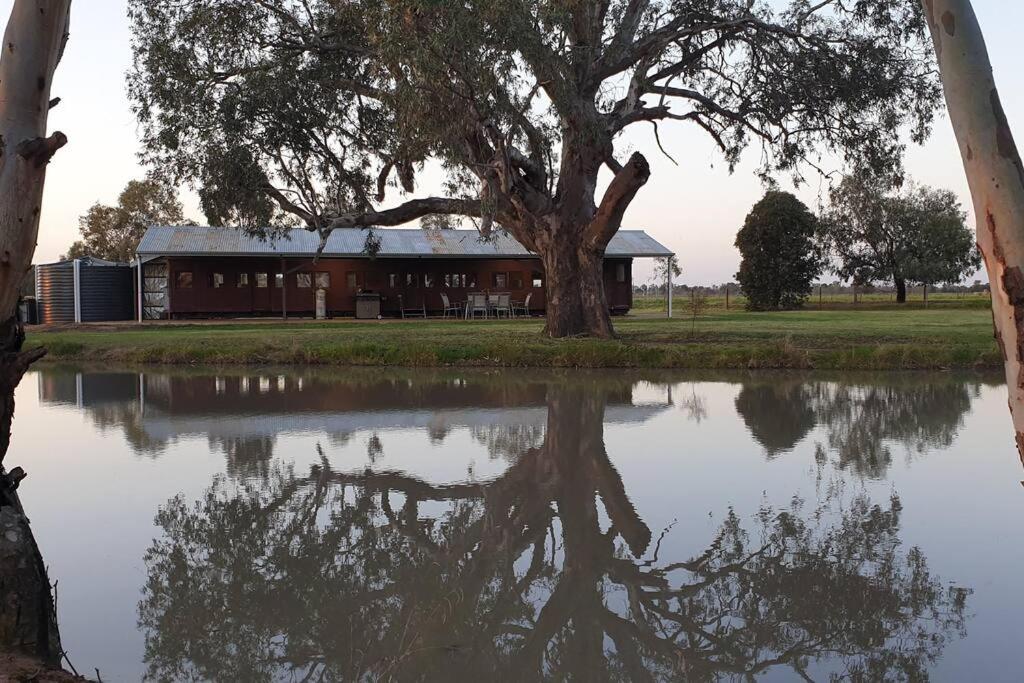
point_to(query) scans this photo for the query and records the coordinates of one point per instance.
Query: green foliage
(316, 108)
(113, 232)
(917, 235)
(780, 259)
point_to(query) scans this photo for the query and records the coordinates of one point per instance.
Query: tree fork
(995, 174)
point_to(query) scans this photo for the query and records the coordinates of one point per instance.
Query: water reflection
(547, 570)
(863, 419)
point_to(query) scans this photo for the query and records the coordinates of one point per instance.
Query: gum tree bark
(32, 47)
(995, 174)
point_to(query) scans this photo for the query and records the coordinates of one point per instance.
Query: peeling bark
(995, 174)
(32, 47)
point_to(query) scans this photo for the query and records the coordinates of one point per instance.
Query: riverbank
(835, 340)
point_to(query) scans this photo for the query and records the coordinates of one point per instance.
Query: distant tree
(918, 235)
(780, 257)
(662, 268)
(113, 232)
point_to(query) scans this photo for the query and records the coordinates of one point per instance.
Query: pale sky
(694, 208)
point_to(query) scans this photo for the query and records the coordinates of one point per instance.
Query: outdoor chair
(477, 303)
(522, 306)
(419, 312)
(455, 309)
(503, 305)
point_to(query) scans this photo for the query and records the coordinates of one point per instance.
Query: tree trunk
(574, 283)
(28, 620)
(995, 174)
(32, 46)
(901, 291)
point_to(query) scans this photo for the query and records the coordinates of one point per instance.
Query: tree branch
(409, 211)
(617, 198)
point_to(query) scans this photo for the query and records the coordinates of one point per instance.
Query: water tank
(101, 291)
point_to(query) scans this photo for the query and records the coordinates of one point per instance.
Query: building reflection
(243, 415)
(547, 571)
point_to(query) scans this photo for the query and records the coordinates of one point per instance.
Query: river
(257, 524)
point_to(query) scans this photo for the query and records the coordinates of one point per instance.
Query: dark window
(517, 280)
(243, 279)
(323, 280)
(183, 279)
(351, 280)
(499, 280)
(216, 280)
(392, 280)
(412, 280)
(428, 280)
(538, 279)
(620, 272)
(303, 280)
(279, 279)
(448, 280)
(472, 280)
(261, 280)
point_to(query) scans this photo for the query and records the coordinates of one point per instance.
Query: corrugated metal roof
(348, 242)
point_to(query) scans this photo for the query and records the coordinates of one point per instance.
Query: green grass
(875, 301)
(828, 339)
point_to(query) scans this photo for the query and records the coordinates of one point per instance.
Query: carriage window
(428, 280)
(448, 280)
(323, 280)
(517, 280)
(392, 280)
(412, 280)
(261, 280)
(183, 279)
(499, 279)
(538, 280)
(216, 280)
(472, 280)
(620, 272)
(351, 280)
(279, 279)
(243, 279)
(304, 280)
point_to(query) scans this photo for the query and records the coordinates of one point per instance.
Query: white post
(78, 290)
(668, 283)
(138, 264)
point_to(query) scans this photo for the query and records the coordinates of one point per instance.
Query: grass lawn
(941, 337)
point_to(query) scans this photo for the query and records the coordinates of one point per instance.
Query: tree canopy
(780, 258)
(317, 109)
(113, 232)
(915, 235)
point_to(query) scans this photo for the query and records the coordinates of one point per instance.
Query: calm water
(446, 525)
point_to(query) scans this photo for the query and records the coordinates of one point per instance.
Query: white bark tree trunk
(995, 174)
(32, 46)
(33, 43)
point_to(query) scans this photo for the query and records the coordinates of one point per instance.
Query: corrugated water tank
(84, 290)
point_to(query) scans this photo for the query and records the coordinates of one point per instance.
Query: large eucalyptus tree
(314, 109)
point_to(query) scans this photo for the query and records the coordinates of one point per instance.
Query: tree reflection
(379, 575)
(862, 420)
(778, 414)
